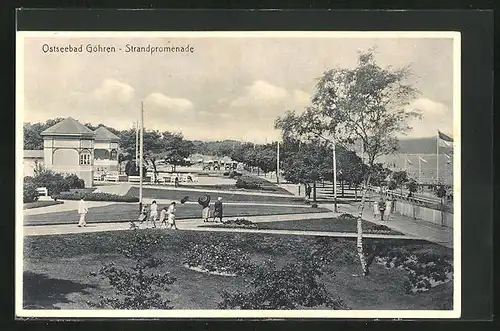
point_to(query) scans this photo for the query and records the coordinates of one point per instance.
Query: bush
(139, 286)
(248, 184)
(30, 193)
(220, 257)
(56, 182)
(74, 182)
(234, 173)
(296, 285)
(95, 197)
(226, 173)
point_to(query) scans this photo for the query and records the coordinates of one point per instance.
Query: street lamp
(141, 151)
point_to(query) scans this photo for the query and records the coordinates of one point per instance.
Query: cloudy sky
(227, 88)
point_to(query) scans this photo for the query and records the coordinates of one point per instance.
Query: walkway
(415, 228)
(194, 225)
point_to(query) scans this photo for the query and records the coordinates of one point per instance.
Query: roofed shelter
(68, 147)
(106, 145)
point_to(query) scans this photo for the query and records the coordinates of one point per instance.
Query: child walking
(154, 213)
(171, 216)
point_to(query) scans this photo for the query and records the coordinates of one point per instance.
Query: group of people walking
(166, 217)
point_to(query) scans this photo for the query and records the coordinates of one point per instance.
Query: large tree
(368, 105)
(32, 138)
(305, 163)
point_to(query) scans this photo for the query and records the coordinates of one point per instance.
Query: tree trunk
(314, 191)
(155, 172)
(362, 260)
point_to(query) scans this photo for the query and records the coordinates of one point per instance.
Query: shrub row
(54, 182)
(95, 197)
(247, 183)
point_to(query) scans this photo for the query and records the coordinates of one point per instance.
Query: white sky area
(230, 88)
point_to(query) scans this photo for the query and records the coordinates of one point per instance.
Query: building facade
(68, 147)
(106, 146)
(31, 160)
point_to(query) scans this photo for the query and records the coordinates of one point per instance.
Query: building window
(85, 157)
(113, 155)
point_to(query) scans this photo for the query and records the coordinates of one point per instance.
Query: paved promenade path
(193, 225)
(411, 227)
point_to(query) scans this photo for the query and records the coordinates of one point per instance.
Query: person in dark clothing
(308, 191)
(381, 207)
(218, 210)
(176, 182)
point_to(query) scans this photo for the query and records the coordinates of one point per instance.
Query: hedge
(96, 197)
(248, 184)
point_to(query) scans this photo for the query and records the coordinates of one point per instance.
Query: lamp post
(334, 177)
(278, 162)
(141, 150)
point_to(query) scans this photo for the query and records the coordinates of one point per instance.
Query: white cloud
(435, 116)
(260, 92)
(115, 90)
(161, 101)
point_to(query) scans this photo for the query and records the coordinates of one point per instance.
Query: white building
(31, 159)
(106, 146)
(68, 147)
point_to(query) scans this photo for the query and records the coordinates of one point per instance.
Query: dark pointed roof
(68, 127)
(101, 133)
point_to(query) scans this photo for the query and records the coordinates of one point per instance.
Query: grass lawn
(38, 204)
(226, 187)
(130, 211)
(177, 194)
(337, 224)
(57, 268)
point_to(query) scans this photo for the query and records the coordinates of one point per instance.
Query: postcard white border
(266, 314)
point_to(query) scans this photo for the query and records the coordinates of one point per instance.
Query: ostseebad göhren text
(128, 48)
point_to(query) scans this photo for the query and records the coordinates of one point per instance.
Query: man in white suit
(82, 210)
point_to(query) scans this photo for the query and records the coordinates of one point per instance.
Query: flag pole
(437, 159)
(141, 150)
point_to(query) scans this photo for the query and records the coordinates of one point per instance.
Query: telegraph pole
(141, 150)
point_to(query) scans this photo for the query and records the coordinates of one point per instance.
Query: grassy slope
(129, 211)
(57, 268)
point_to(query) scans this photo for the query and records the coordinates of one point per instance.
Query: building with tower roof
(68, 147)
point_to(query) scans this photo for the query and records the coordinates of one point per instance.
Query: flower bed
(218, 259)
(425, 270)
(95, 197)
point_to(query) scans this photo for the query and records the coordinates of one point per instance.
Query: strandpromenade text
(128, 48)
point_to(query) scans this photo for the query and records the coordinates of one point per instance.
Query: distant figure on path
(143, 216)
(154, 213)
(382, 207)
(171, 216)
(163, 216)
(388, 209)
(218, 209)
(204, 201)
(308, 191)
(376, 211)
(176, 181)
(82, 210)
